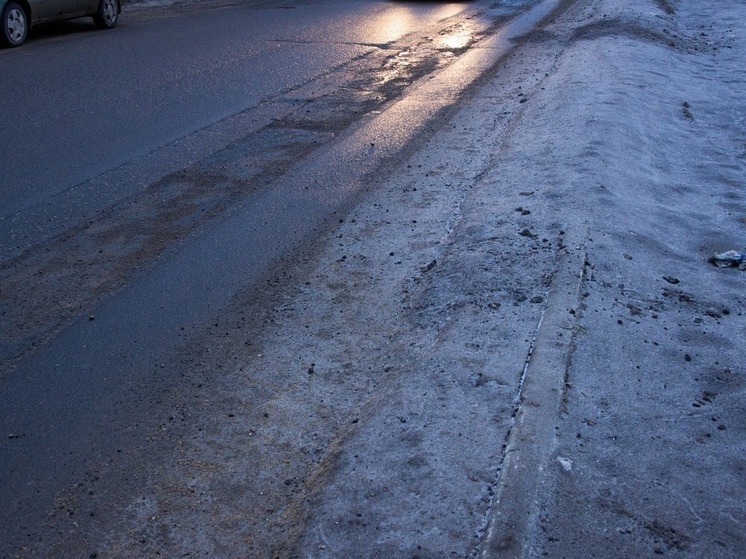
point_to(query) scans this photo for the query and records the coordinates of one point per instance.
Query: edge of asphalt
(531, 439)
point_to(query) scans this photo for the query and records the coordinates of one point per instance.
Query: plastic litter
(729, 259)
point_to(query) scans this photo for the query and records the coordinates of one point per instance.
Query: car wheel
(14, 25)
(107, 15)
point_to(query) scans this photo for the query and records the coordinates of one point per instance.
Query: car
(17, 16)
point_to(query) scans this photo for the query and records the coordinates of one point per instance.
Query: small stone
(671, 279)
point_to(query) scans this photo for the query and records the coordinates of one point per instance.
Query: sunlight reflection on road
(395, 23)
(456, 37)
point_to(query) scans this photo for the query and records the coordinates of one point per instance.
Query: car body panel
(42, 11)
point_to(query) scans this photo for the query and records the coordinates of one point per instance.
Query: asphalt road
(153, 172)
(81, 102)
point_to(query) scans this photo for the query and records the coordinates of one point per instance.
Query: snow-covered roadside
(645, 118)
(635, 132)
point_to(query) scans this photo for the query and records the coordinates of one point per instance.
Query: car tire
(14, 25)
(107, 15)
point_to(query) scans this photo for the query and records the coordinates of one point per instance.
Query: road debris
(729, 259)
